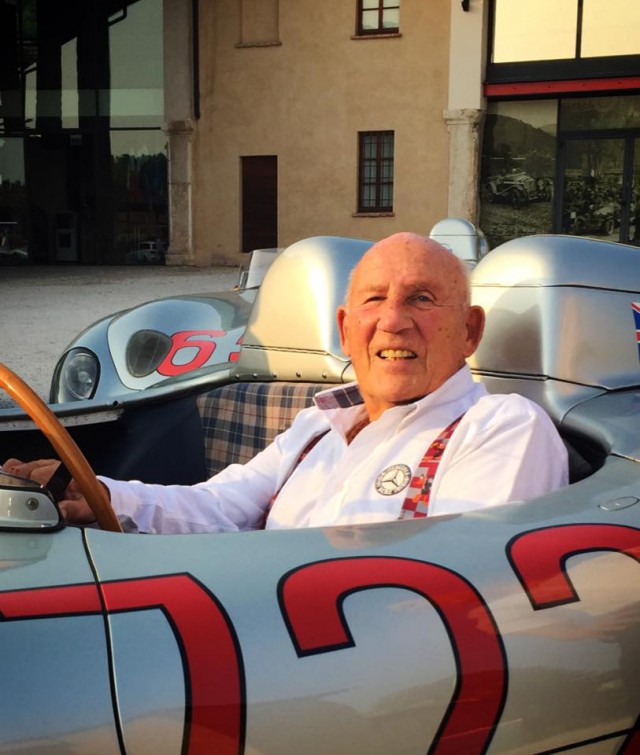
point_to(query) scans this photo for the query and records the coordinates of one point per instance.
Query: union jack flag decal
(635, 306)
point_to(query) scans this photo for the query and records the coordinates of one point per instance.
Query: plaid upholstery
(241, 419)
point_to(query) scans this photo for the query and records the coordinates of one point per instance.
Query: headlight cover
(77, 376)
(145, 351)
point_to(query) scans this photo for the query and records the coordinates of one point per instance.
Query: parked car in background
(148, 253)
(14, 255)
(12, 247)
(510, 630)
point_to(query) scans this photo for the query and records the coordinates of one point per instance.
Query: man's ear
(475, 329)
(342, 317)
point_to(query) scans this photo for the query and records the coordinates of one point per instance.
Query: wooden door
(259, 202)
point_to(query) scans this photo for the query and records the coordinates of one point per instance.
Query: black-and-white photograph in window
(518, 169)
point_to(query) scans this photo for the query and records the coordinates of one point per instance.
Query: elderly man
(415, 436)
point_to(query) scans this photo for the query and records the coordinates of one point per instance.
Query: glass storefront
(83, 159)
(561, 166)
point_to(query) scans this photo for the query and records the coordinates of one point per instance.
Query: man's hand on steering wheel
(95, 494)
(73, 505)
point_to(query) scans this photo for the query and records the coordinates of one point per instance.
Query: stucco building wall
(304, 100)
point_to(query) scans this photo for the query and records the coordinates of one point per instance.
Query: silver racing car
(510, 630)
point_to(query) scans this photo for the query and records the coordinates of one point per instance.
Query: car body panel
(305, 346)
(56, 692)
(199, 332)
(548, 297)
(612, 421)
(324, 602)
(160, 340)
(147, 253)
(466, 241)
(511, 630)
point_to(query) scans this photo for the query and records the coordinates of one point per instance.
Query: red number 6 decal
(311, 601)
(200, 340)
(539, 558)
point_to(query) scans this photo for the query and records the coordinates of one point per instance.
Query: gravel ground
(43, 308)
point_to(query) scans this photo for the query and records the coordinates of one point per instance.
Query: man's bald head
(407, 323)
(391, 246)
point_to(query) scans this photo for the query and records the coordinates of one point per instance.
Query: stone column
(180, 136)
(465, 130)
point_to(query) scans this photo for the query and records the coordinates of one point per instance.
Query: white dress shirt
(505, 449)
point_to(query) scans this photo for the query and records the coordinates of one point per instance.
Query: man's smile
(394, 354)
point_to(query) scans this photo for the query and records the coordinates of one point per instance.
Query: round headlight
(79, 375)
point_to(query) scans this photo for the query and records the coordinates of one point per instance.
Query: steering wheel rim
(65, 447)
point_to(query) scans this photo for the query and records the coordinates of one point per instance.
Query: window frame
(560, 69)
(361, 32)
(378, 182)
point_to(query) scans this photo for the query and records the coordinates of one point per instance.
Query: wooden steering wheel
(65, 447)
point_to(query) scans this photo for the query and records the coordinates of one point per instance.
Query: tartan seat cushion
(240, 419)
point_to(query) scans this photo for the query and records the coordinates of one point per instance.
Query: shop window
(518, 169)
(554, 39)
(592, 187)
(534, 30)
(13, 203)
(596, 113)
(139, 177)
(136, 94)
(60, 66)
(259, 23)
(598, 167)
(375, 175)
(378, 17)
(609, 27)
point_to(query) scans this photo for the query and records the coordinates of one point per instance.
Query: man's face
(407, 326)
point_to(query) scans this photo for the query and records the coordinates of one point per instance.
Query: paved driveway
(43, 308)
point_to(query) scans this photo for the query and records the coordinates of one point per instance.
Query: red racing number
(539, 560)
(235, 355)
(311, 599)
(203, 341)
(215, 711)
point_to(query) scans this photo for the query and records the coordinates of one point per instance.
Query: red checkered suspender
(416, 502)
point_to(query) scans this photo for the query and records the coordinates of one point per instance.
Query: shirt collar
(345, 396)
(340, 397)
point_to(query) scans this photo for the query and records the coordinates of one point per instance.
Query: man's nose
(394, 316)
